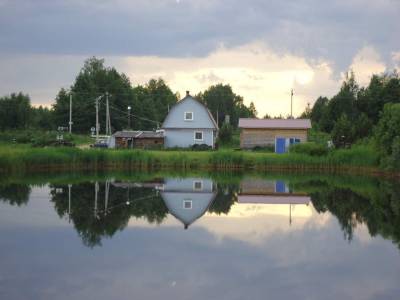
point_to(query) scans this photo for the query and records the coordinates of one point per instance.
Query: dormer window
(188, 116)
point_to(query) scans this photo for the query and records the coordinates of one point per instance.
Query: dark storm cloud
(334, 30)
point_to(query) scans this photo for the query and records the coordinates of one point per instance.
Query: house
(188, 199)
(136, 139)
(189, 122)
(280, 133)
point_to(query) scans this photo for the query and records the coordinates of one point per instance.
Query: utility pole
(70, 113)
(129, 117)
(291, 103)
(97, 119)
(108, 121)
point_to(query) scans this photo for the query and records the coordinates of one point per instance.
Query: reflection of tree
(226, 196)
(15, 194)
(91, 226)
(380, 211)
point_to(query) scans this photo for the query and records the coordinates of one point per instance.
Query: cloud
(365, 63)
(253, 70)
(312, 29)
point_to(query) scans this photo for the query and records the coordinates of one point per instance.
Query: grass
(23, 158)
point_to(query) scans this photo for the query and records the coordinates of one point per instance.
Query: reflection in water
(99, 209)
(247, 238)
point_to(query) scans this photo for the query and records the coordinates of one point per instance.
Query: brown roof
(275, 123)
(138, 134)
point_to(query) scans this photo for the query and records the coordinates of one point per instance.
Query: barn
(137, 139)
(279, 133)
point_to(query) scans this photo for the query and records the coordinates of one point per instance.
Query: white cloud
(367, 62)
(254, 71)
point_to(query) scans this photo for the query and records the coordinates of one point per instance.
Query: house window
(188, 116)
(197, 185)
(198, 135)
(187, 204)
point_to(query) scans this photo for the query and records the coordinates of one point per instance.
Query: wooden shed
(137, 139)
(279, 133)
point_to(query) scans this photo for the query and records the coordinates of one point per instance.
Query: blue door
(280, 146)
(280, 186)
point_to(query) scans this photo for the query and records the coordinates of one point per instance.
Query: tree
(94, 80)
(221, 101)
(343, 132)
(225, 133)
(388, 128)
(15, 111)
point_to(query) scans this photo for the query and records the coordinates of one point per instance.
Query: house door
(280, 145)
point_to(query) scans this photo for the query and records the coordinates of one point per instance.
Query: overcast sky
(262, 48)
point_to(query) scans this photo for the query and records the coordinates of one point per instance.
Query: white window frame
(187, 201)
(188, 112)
(194, 185)
(202, 136)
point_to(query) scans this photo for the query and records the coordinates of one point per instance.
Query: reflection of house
(136, 139)
(188, 199)
(280, 133)
(258, 191)
(155, 184)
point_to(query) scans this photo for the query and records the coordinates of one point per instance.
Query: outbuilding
(279, 133)
(137, 139)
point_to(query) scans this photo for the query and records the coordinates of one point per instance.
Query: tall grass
(24, 158)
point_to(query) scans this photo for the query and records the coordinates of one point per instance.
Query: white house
(189, 122)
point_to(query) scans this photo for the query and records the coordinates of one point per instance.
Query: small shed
(137, 139)
(279, 133)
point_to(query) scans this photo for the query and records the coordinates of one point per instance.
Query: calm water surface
(144, 236)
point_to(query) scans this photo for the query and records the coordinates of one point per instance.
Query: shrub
(225, 134)
(201, 147)
(270, 148)
(309, 148)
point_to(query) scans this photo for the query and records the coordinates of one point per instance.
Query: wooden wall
(250, 138)
(139, 143)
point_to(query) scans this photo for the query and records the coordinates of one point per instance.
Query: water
(161, 236)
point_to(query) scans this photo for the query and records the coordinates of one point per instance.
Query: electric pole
(108, 121)
(97, 119)
(70, 113)
(129, 117)
(291, 103)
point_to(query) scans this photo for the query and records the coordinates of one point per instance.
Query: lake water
(215, 236)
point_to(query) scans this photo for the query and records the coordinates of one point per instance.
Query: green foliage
(309, 148)
(388, 128)
(221, 101)
(15, 111)
(225, 134)
(343, 132)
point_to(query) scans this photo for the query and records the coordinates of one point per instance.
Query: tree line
(149, 104)
(368, 114)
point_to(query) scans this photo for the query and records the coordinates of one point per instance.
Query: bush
(270, 148)
(309, 148)
(225, 134)
(201, 147)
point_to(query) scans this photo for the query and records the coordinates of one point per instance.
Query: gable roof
(138, 134)
(188, 97)
(275, 123)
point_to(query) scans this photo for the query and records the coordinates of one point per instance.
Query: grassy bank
(19, 158)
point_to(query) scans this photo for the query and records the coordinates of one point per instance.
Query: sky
(262, 49)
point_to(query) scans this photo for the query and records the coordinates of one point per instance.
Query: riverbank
(17, 159)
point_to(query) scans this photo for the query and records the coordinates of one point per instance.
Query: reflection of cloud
(255, 223)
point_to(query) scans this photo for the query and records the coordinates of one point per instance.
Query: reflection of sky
(212, 260)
